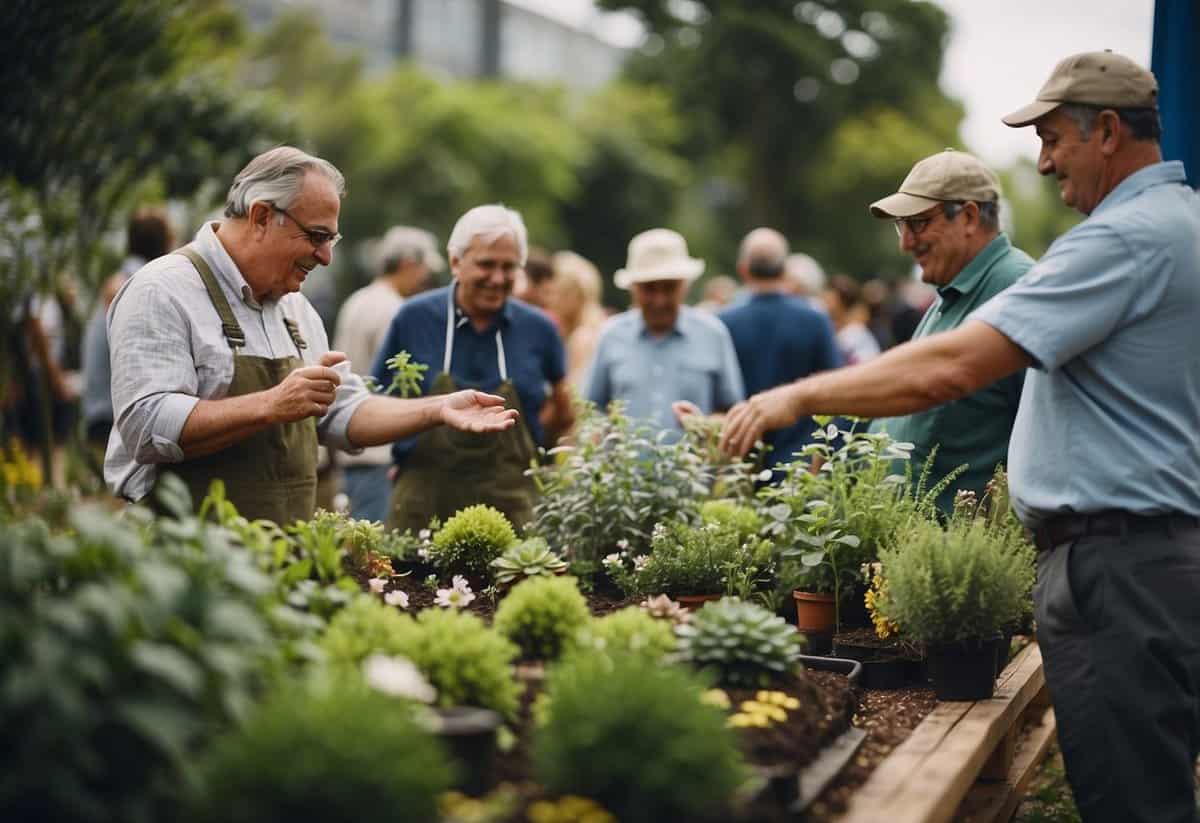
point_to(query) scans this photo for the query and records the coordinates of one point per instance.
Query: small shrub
(730, 515)
(541, 615)
(468, 663)
(529, 558)
(631, 630)
(364, 627)
(634, 736)
(334, 752)
(707, 559)
(745, 644)
(959, 583)
(469, 541)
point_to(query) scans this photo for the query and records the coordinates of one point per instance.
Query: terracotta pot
(815, 612)
(691, 602)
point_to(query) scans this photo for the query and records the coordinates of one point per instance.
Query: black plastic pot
(964, 670)
(1002, 649)
(885, 666)
(470, 737)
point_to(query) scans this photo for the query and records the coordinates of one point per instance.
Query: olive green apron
(270, 475)
(449, 470)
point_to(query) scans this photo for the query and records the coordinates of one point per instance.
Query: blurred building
(459, 38)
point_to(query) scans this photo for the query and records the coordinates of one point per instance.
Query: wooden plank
(997, 802)
(927, 776)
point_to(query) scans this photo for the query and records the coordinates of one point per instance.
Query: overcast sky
(1000, 53)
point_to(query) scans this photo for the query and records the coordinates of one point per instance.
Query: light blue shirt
(1110, 415)
(694, 361)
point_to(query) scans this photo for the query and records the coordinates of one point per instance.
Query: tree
(769, 87)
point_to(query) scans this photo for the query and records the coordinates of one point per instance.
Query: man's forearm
(379, 420)
(214, 425)
(914, 376)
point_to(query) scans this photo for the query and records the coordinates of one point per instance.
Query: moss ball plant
(635, 736)
(631, 630)
(541, 615)
(469, 541)
(745, 644)
(337, 752)
(468, 663)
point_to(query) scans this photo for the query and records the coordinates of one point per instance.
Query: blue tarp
(1176, 64)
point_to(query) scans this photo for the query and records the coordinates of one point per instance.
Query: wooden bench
(969, 762)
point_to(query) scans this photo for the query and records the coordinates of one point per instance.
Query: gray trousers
(1118, 622)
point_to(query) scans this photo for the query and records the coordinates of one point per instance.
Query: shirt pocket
(697, 382)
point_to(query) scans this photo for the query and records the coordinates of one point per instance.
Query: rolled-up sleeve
(333, 427)
(154, 381)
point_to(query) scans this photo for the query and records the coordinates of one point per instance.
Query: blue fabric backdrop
(1176, 64)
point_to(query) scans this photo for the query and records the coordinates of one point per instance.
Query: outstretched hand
(748, 421)
(474, 411)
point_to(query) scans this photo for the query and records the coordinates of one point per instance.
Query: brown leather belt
(1067, 527)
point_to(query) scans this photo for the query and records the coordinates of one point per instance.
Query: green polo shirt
(975, 429)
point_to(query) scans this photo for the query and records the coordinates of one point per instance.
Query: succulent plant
(745, 644)
(529, 558)
(663, 607)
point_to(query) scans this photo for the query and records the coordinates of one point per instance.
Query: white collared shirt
(167, 351)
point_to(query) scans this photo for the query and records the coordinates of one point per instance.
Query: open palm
(474, 411)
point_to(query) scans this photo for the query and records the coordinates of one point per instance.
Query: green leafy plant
(958, 583)
(468, 542)
(609, 489)
(529, 558)
(364, 627)
(731, 515)
(128, 643)
(407, 375)
(601, 708)
(541, 615)
(744, 643)
(631, 630)
(706, 559)
(333, 749)
(468, 663)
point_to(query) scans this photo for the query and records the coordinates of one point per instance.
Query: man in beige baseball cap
(662, 352)
(1104, 461)
(946, 215)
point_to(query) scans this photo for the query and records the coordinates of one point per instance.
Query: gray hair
(1143, 123)
(488, 223)
(276, 176)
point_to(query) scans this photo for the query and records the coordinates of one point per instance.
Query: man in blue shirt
(778, 338)
(661, 353)
(1104, 461)
(471, 333)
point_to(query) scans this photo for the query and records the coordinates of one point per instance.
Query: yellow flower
(715, 697)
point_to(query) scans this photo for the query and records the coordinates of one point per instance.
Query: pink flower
(377, 584)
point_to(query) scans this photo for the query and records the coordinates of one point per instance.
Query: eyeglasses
(318, 237)
(918, 224)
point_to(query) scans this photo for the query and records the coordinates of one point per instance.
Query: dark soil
(421, 596)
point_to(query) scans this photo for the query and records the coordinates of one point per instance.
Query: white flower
(453, 598)
(396, 598)
(764, 475)
(398, 677)
(623, 544)
(423, 553)
(424, 534)
(459, 583)
(640, 562)
(613, 559)
(377, 584)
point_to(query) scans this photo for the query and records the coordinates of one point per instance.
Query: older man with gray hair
(471, 333)
(221, 369)
(403, 259)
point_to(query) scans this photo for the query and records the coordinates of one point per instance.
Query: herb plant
(541, 615)
(468, 542)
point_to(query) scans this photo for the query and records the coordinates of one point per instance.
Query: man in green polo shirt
(947, 216)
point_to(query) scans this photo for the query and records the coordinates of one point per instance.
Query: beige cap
(408, 242)
(1094, 78)
(658, 254)
(945, 176)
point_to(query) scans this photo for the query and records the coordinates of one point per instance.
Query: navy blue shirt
(533, 352)
(779, 339)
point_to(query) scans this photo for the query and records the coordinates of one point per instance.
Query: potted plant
(694, 564)
(955, 590)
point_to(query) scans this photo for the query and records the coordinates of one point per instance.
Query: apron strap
(501, 360)
(229, 324)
